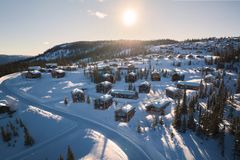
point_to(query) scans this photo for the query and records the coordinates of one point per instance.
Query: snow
(145, 83)
(35, 72)
(103, 148)
(94, 134)
(34, 68)
(173, 89)
(160, 103)
(3, 103)
(132, 73)
(190, 83)
(59, 70)
(43, 113)
(127, 108)
(105, 97)
(106, 83)
(126, 92)
(76, 90)
(70, 84)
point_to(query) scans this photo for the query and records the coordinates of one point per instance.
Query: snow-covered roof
(59, 71)
(195, 82)
(51, 64)
(34, 68)
(155, 71)
(173, 89)
(127, 108)
(209, 76)
(159, 103)
(125, 92)
(35, 72)
(77, 90)
(3, 103)
(106, 83)
(145, 83)
(132, 73)
(130, 65)
(105, 97)
(106, 75)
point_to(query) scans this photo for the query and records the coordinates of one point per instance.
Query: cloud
(98, 14)
(100, 0)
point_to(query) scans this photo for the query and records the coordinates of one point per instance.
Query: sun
(129, 17)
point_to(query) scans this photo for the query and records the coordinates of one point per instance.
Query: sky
(29, 27)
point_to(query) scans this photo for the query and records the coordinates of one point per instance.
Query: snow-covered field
(94, 134)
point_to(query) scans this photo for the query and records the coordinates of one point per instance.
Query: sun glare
(129, 17)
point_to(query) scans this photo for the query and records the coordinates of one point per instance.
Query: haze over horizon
(30, 27)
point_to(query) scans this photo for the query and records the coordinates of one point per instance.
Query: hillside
(11, 58)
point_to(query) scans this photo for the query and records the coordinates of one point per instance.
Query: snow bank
(103, 148)
(44, 113)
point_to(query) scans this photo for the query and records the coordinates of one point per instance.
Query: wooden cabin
(188, 85)
(108, 77)
(117, 93)
(174, 93)
(103, 102)
(103, 87)
(125, 113)
(78, 95)
(32, 74)
(177, 77)
(157, 106)
(58, 73)
(144, 87)
(155, 76)
(131, 77)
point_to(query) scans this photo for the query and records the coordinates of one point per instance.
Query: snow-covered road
(131, 149)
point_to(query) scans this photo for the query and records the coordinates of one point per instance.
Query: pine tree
(161, 121)
(221, 141)
(139, 130)
(184, 124)
(130, 86)
(65, 101)
(177, 116)
(70, 155)
(184, 104)
(238, 84)
(28, 140)
(236, 149)
(6, 135)
(201, 93)
(154, 122)
(21, 123)
(191, 123)
(88, 100)
(60, 157)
